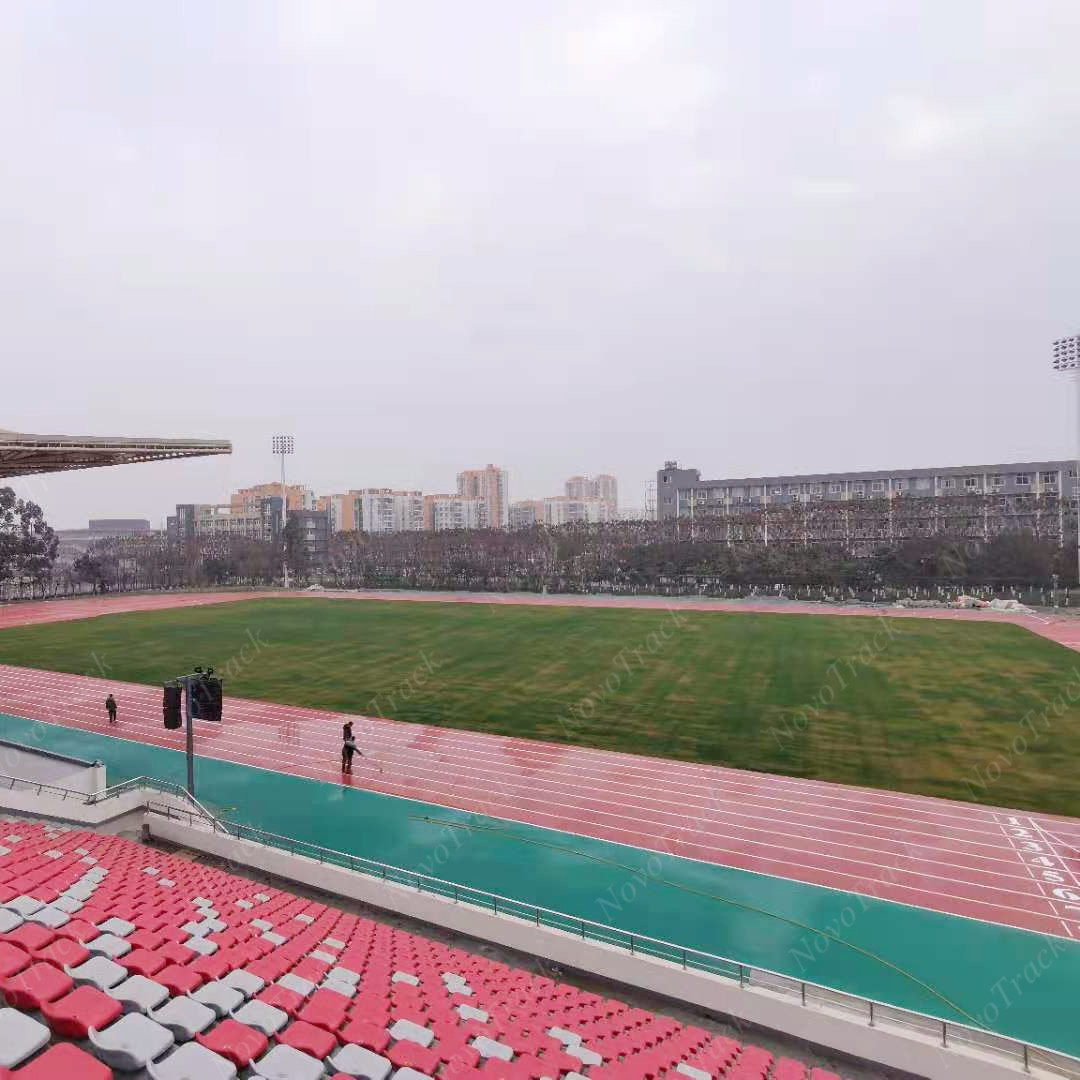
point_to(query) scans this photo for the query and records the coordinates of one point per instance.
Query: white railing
(749, 976)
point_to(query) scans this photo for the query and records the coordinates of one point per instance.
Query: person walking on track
(110, 708)
(348, 747)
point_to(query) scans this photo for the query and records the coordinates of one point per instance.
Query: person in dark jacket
(110, 708)
(348, 747)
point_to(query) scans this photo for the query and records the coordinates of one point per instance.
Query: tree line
(619, 557)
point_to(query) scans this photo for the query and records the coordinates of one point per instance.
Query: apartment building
(601, 486)
(560, 510)
(297, 496)
(455, 512)
(387, 510)
(342, 511)
(526, 513)
(254, 520)
(564, 510)
(492, 485)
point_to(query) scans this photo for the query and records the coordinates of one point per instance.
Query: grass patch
(935, 705)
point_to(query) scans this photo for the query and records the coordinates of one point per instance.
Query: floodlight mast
(1066, 357)
(282, 445)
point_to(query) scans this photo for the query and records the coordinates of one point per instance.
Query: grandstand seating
(114, 956)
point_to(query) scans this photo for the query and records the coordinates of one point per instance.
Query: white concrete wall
(123, 813)
(892, 1047)
(29, 764)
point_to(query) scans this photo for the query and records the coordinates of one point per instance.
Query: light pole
(283, 444)
(1066, 353)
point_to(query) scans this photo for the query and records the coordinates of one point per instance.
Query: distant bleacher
(115, 956)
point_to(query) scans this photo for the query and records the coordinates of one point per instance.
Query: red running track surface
(1004, 866)
(996, 865)
(27, 613)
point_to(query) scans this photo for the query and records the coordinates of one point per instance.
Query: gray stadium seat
(357, 1061)
(184, 1017)
(131, 1043)
(287, 1063)
(192, 1062)
(265, 1018)
(98, 971)
(219, 997)
(20, 1036)
(139, 994)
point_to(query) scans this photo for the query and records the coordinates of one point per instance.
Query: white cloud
(631, 72)
(825, 188)
(918, 127)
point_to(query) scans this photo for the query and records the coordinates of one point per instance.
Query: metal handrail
(809, 993)
(10, 783)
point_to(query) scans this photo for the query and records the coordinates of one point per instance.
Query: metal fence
(808, 994)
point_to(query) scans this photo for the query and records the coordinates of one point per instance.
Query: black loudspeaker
(213, 698)
(206, 698)
(170, 706)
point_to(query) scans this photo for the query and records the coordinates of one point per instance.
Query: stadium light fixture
(1066, 357)
(282, 446)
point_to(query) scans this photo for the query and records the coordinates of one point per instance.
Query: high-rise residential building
(342, 511)
(491, 484)
(577, 487)
(454, 512)
(606, 487)
(564, 510)
(601, 486)
(386, 510)
(526, 513)
(297, 496)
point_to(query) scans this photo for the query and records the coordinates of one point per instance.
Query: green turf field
(933, 707)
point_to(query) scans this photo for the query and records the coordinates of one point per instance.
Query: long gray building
(866, 507)
(682, 491)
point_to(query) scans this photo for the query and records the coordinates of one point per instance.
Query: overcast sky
(562, 237)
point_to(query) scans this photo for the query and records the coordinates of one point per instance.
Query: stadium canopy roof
(23, 455)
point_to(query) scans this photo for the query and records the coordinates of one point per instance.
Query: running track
(1003, 866)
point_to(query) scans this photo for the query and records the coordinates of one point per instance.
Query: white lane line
(1012, 837)
(782, 867)
(934, 855)
(823, 795)
(1067, 892)
(718, 817)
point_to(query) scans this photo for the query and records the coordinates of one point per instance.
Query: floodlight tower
(283, 445)
(1066, 354)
